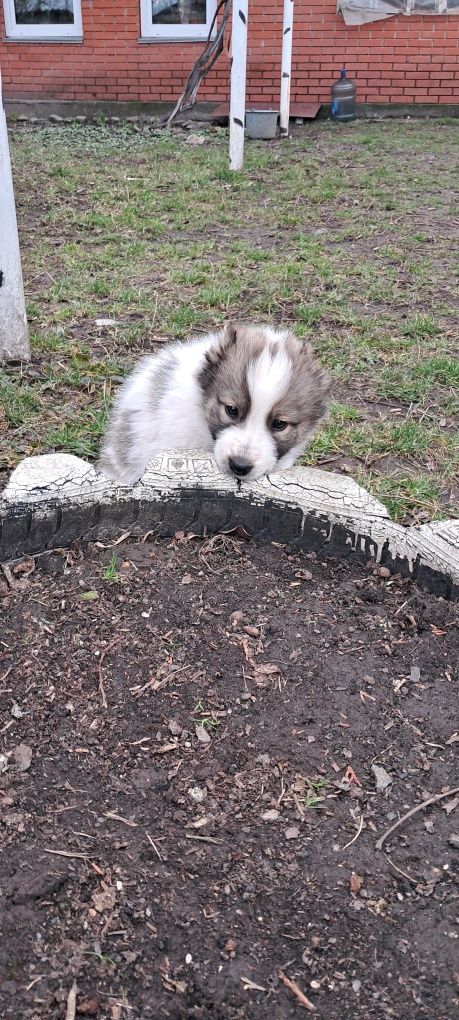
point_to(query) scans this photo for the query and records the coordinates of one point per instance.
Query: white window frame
(13, 30)
(175, 32)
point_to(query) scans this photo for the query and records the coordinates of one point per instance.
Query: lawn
(132, 237)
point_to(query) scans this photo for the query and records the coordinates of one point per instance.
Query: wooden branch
(203, 65)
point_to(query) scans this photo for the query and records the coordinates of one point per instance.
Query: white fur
(267, 379)
(178, 423)
(149, 417)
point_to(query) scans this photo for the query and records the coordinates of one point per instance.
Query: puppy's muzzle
(239, 466)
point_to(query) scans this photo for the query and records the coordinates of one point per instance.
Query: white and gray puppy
(251, 394)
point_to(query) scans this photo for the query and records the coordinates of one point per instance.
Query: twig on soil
(66, 853)
(34, 981)
(351, 841)
(119, 818)
(71, 1002)
(292, 985)
(108, 648)
(396, 868)
(251, 986)
(111, 545)
(202, 839)
(2, 678)
(153, 844)
(414, 811)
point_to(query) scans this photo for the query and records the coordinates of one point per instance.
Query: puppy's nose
(239, 466)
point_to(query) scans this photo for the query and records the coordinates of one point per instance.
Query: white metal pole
(14, 342)
(287, 38)
(238, 83)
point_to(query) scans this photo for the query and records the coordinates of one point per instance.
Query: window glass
(179, 12)
(44, 12)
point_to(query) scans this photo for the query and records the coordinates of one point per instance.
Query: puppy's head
(263, 397)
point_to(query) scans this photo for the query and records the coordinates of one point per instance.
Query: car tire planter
(55, 499)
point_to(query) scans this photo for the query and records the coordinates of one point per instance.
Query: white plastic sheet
(360, 12)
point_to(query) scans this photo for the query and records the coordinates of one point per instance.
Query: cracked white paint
(39, 481)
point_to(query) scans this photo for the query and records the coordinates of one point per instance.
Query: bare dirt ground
(203, 741)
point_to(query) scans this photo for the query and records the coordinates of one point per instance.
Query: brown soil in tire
(202, 742)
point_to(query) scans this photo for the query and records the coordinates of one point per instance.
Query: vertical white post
(238, 83)
(287, 38)
(14, 342)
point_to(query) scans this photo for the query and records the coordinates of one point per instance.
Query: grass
(344, 233)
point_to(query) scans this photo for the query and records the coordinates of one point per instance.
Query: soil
(203, 740)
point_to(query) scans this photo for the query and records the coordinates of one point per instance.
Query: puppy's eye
(278, 426)
(231, 411)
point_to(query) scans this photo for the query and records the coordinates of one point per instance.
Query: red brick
(391, 59)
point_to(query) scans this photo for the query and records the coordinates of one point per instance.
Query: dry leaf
(356, 883)
(450, 805)
(350, 776)
(267, 668)
(104, 900)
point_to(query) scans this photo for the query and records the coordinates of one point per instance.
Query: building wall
(398, 60)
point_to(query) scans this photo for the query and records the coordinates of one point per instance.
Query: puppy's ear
(228, 339)
(317, 383)
(214, 357)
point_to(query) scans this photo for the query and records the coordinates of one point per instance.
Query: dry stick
(66, 853)
(153, 844)
(414, 811)
(108, 648)
(71, 1002)
(351, 841)
(203, 65)
(292, 985)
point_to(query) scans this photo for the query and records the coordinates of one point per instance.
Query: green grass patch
(130, 238)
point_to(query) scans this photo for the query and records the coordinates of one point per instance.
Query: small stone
(188, 958)
(270, 816)
(382, 778)
(454, 840)
(198, 794)
(22, 755)
(252, 631)
(202, 734)
(356, 986)
(292, 833)
(383, 572)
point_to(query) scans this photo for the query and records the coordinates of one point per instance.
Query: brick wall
(399, 60)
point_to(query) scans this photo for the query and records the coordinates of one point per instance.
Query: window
(176, 19)
(42, 19)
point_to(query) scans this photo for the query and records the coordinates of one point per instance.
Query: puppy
(250, 394)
